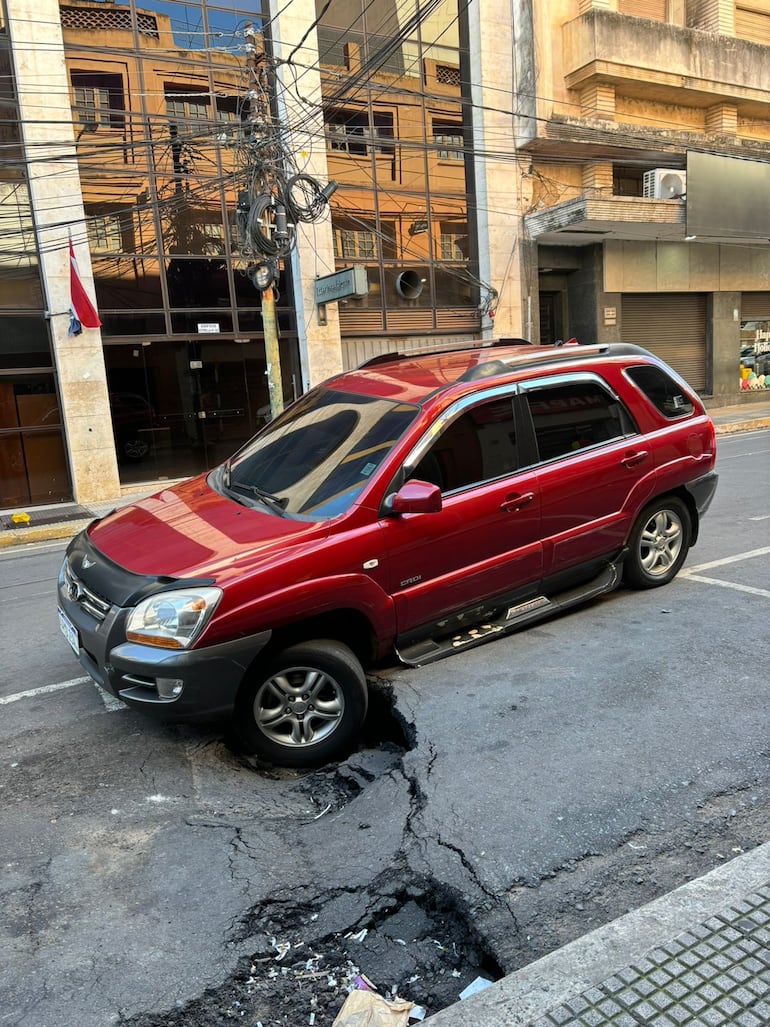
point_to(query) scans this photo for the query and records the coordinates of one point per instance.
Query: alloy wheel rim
(660, 543)
(299, 706)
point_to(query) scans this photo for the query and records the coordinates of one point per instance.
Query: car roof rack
(537, 356)
(388, 358)
(554, 354)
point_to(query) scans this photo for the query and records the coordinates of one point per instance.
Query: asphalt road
(508, 799)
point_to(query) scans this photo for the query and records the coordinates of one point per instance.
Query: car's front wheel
(658, 544)
(305, 707)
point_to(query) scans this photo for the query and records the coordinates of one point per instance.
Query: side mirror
(414, 497)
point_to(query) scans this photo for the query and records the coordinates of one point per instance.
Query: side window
(477, 446)
(573, 415)
(661, 390)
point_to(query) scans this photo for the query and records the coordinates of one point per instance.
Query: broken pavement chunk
(477, 984)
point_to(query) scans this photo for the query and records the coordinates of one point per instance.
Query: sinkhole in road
(383, 737)
(406, 936)
(384, 724)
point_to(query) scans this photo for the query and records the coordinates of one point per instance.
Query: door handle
(516, 502)
(634, 457)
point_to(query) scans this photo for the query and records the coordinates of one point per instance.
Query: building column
(597, 178)
(498, 182)
(724, 321)
(300, 110)
(57, 209)
(722, 119)
(598, 101)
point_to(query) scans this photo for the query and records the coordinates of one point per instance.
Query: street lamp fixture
(264, 274)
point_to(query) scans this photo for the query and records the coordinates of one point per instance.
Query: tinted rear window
(662, 390)
(570, 416)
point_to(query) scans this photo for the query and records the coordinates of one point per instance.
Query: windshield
(314, 459)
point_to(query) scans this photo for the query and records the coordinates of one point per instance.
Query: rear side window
(571, 416)
(661, 390)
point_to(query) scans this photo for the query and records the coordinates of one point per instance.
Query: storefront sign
(209, 328)
(352, 281)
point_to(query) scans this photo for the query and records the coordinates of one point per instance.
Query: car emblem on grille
(74, 591)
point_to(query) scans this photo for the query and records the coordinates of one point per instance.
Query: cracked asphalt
(516, 797)
(156, 877)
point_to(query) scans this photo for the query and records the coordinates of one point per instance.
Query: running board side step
(510, 619)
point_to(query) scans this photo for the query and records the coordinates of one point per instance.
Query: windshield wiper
(278, 503)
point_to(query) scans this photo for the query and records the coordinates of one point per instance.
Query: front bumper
(178, 684)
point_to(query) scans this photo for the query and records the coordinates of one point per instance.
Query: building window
(187, 106)
(98, 100)
(351, 132)
(354, 244)
(448, 139)
(104, 234)
(627, 181)
(453, 241)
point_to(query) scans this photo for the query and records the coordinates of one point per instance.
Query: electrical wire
(488, 154)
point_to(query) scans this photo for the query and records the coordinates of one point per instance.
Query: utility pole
(272, 351)
(274, 203)
(264, 275)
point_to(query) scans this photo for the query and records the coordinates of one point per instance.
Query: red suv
(417, 505)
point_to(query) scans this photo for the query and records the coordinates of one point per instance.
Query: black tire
(305, 707)
(658, 543)
(134, 448)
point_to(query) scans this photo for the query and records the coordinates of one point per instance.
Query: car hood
(190, 530)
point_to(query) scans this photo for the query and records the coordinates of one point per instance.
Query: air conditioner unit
(665, 184)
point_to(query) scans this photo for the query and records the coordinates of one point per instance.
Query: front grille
(94, 604)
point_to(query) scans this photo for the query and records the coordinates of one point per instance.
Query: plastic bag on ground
(367, 1009)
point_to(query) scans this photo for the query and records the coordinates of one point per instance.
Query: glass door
(179, 408)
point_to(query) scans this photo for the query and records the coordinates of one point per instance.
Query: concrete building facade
(613, 97)
(499, 173)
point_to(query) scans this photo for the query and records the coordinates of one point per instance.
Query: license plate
(69, 631)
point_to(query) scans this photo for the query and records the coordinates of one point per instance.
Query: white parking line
(749, 555)
(729, 584)
(694, 573)
(43, 690)
(109, 700)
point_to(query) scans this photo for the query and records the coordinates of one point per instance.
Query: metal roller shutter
(755, 306)
(752, 25)
(653, 9)
(673, 327)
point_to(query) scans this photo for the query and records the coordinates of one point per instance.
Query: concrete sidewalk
(697, 957)
(63, 520)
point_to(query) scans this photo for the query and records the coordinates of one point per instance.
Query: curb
(526, 995)
(45, 533)
(738, 426)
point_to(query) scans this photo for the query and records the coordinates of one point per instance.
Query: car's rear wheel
(658, 544)
(305, 707)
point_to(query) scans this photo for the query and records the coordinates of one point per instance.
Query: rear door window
(569, 416)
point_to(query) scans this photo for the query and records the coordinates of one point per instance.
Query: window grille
(447, 75)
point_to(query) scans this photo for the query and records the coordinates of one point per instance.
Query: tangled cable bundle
(304, 198)
(261, 214)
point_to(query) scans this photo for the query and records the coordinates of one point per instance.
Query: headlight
(172, 620)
